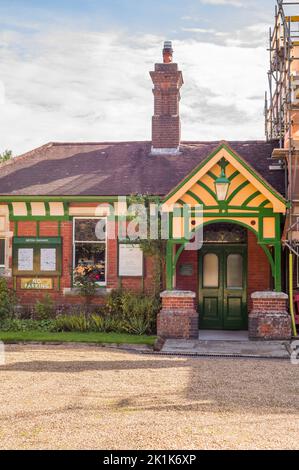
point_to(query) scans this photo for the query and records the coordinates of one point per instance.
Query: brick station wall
(259, 275)
(188, 282)
(50, 229)
(178, 317)
(269, 318)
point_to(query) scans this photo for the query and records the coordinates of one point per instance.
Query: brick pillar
(178, 317)
(269, 318)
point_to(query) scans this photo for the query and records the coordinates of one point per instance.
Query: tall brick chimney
(166, 126)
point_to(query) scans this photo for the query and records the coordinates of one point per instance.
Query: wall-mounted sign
(130, 260)
(36, 257)
(186, 270)
(36, 283)
(37, 241)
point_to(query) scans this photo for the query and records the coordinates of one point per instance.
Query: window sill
(75, 291)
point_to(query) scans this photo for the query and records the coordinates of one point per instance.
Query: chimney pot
(167, 52)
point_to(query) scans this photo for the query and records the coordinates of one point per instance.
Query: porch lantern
(222, 182)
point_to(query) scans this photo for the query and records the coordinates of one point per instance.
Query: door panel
(222, 289)
(211, 309)
(210, 292)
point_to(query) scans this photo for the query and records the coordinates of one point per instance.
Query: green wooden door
(223, 287)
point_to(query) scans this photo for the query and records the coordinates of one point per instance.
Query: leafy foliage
(138, 313)
(85, 284)
(71, 323)
(15, 324)
(7, 299)
(151, 247)
(45, 308)
(5, 156)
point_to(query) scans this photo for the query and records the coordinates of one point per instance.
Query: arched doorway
(230, 265)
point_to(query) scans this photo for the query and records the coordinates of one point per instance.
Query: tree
(5, 156)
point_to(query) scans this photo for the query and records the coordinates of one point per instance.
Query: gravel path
(76, 397)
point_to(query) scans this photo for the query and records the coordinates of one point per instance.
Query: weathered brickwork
(166, 128)
(178, 317)
(60, 292)
(184, 282)
(259, 276)
(269, 318)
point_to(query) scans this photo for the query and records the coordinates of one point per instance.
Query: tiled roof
(123, 168)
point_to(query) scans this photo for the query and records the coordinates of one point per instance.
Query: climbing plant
(155, 248)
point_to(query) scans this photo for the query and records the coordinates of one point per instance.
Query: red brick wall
(27, 228)
(258, 268)
(50, 229)
(188, 282)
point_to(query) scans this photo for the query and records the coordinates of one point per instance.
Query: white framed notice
(48, 259)
(130, 261)
(25, 259)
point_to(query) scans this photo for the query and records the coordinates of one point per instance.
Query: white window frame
(101, 284)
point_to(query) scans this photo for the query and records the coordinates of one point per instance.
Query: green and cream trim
(250, 202)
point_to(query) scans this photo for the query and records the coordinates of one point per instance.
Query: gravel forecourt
(87, 397)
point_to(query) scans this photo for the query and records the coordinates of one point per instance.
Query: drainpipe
(291, 293)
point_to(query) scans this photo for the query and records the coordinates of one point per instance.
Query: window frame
(103, 242)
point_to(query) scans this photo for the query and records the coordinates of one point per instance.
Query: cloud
(65, 85)
(199, 30)
(233, 3)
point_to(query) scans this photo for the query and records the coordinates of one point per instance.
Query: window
(297, 263)
(90, 249)
(234, 271)
(2, 252)
(210, 270)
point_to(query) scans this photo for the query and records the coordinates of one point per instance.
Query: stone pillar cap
(269, 295)
(178, 293)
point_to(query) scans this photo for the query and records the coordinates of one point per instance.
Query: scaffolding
(282, 107)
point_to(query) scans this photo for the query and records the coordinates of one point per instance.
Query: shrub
(71, 323)
(85, 283)
(45, 308)
(14, 324)
(114, 302)
(7, 299)
(139, 313)
(107, 323)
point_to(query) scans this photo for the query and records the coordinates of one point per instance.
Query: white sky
(68, 82)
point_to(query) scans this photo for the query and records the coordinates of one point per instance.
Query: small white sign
(25, 259)
(48, 259)
(130, 260)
